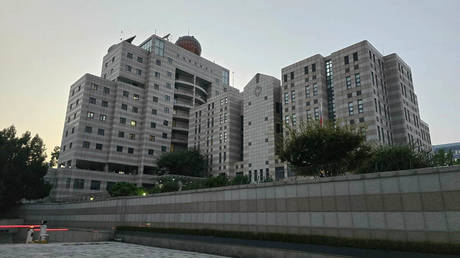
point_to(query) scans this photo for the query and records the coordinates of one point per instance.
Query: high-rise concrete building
(356, 85)
(216, 131)
(139, 108)
(261, 129)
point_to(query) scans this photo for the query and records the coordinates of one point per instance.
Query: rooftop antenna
(121, 35)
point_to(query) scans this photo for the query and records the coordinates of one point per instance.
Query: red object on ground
(53, 229)
(18, 226)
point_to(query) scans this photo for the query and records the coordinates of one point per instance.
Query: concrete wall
(414, 205)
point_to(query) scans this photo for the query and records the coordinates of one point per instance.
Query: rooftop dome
(189, 43)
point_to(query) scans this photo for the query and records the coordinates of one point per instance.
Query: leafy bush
(186, 163)
(123, 189)
(398, 157)
(314, 148)
(240, 180)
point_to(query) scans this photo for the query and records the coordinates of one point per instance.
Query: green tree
(123, 189)
(22, 168)
(186, 163)
(312, 148)
(241, 180)
(54, 156)
(398, 157)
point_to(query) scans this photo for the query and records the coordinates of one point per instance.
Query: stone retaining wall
(411, 205)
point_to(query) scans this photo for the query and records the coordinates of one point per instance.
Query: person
(30, 235)
(43, 234)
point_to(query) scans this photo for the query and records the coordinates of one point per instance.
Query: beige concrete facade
(356, 86)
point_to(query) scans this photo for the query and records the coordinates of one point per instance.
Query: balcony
(188, 93)
(179, 139)
(183, 103)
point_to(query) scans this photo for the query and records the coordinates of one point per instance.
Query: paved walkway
(92, 249)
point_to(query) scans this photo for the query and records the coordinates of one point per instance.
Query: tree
(22, 168)
(443, 158)
(54, 156)
(313, 148)
(399, 157)
(123, 189)
(185, 162)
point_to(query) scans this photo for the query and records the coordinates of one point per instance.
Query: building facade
(358, 86)
(139, 107)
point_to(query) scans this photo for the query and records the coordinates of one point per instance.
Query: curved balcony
(183, 103)
(202, 90)
(180, 127)
(181, 115)
(186, 83)
(187, 93)
(178, 139)
(200, 98)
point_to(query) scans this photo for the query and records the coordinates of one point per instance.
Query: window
(286, 120)
(157, 75)
(135, 96)
(360, 106)
(285, 78)
(286, 97)
(98, 146)
(133, 123)
(308, 115)
(102, 117)
(130, 150)
(169, 74)
(163, 148)
(292, 75)
(135, 109)
(294, 119)
(122, 120)
(128, 68)
(78, 183)
(153, 125)
(164, 136)
(348, 82)
(159, 47)
(124, 106)
(104, 103)
(92, 100)
(156, 86)
(125, 94)
(94, 86)
(357, 79)
(358, 93)
(355, 56)
(293, 95)
(138, 71)
(165, 122)
(90, 115)
(315, 89)
(140, 59)
(85, 145)
(150, 152)
(152, 138)
(119, 148)
(167, 98)
(95, 185)
(106, 90)
(129, 55)
(121, 134)
(316, 110)
(346, 60)
(307, 91)
(305, 70)
(350, 108)
(313, 68)
(100, 131)
(88, 129)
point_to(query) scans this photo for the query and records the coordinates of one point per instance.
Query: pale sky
(45, 46)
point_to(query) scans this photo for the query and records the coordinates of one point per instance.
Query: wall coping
(292, 181)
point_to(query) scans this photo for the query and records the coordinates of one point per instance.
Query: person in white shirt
(43, 234)
(30, 235)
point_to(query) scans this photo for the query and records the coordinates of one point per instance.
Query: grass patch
(423, 247)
